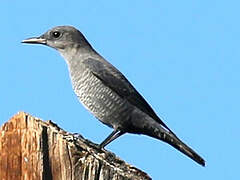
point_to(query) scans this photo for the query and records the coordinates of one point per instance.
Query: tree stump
(31, 149)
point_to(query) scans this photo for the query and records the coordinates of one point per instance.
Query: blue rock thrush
(106, 92)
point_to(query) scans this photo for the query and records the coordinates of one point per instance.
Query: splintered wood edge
(22, 120)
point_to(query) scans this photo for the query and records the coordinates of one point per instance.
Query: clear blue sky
(182, 56)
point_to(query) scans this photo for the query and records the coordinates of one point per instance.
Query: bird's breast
(99, 99)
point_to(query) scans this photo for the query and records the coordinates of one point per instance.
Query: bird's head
(60, 38)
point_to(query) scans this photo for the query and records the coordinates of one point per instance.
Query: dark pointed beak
(35, 40)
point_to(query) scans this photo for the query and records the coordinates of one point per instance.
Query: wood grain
(32, 149)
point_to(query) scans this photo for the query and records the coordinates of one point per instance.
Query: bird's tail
(174, 141)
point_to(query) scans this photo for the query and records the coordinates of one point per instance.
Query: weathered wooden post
(31, 149)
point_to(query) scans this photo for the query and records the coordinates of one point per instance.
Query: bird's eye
(56, 34)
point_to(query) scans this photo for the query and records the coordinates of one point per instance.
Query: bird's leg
(114, 135)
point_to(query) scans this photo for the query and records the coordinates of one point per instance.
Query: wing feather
(115, 80)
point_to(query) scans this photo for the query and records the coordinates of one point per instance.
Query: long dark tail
(174, 141)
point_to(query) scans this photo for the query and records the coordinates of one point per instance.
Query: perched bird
(106, 92)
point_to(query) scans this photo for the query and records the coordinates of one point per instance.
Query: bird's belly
(102, 101)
